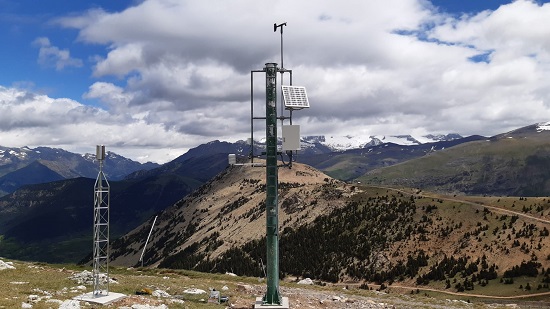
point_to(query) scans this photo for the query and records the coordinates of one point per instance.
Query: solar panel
(295, 97)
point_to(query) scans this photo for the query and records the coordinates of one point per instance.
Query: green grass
(473, 167)
(27, 278)
(33, 278)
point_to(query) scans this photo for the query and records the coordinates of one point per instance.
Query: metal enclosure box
(232, 158)
(291, 137)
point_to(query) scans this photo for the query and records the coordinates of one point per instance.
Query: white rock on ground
(37, 290)
(87, 278)
(6, 265)
(70, 304)
(176, 301)
(33, 298)
(194, 291)
(138, 306)
(307, 281)
(160, 293)
(26, 306)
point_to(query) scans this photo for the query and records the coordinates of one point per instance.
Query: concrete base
(260, 305)
(101, 299)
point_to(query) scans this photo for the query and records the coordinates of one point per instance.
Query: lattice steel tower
(101, 228)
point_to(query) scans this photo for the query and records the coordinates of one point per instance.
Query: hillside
(52, 222)
(232, 203)
(34, 173)
(516, 163)
(336, 232)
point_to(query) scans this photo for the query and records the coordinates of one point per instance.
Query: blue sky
(467, 6)
(153, 78)
(24, 21)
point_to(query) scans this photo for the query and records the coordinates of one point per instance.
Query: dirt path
(454, 199)
(471, 295)
(414, 288)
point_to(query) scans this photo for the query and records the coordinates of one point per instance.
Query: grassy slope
(505, 166)
(468, 227)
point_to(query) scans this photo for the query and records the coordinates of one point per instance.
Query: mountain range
(143, 193)
(25, 166)
(348, 142)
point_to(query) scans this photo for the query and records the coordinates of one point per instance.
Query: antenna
(275, 26)
(282, 69)
(101, 228)
(100, 274)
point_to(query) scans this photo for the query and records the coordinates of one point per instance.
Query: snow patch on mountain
(342, 143)
(543, 126)
(8, 155)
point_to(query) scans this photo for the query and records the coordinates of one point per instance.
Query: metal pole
(252, 117)
(282, 63)
(282, 71)
(149, 236)
(272, 295)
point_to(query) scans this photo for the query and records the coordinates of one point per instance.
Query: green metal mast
(272, 295)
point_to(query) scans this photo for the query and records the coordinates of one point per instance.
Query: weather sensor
(295, 97)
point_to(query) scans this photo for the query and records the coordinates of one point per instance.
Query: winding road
(494, 208)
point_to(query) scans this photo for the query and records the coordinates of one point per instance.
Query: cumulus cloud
(52, 56)
(368, 66)
(182, 70)
(514, 30)
(29, 119)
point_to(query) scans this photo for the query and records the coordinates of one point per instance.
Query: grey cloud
(357, 59)
(27, 96)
